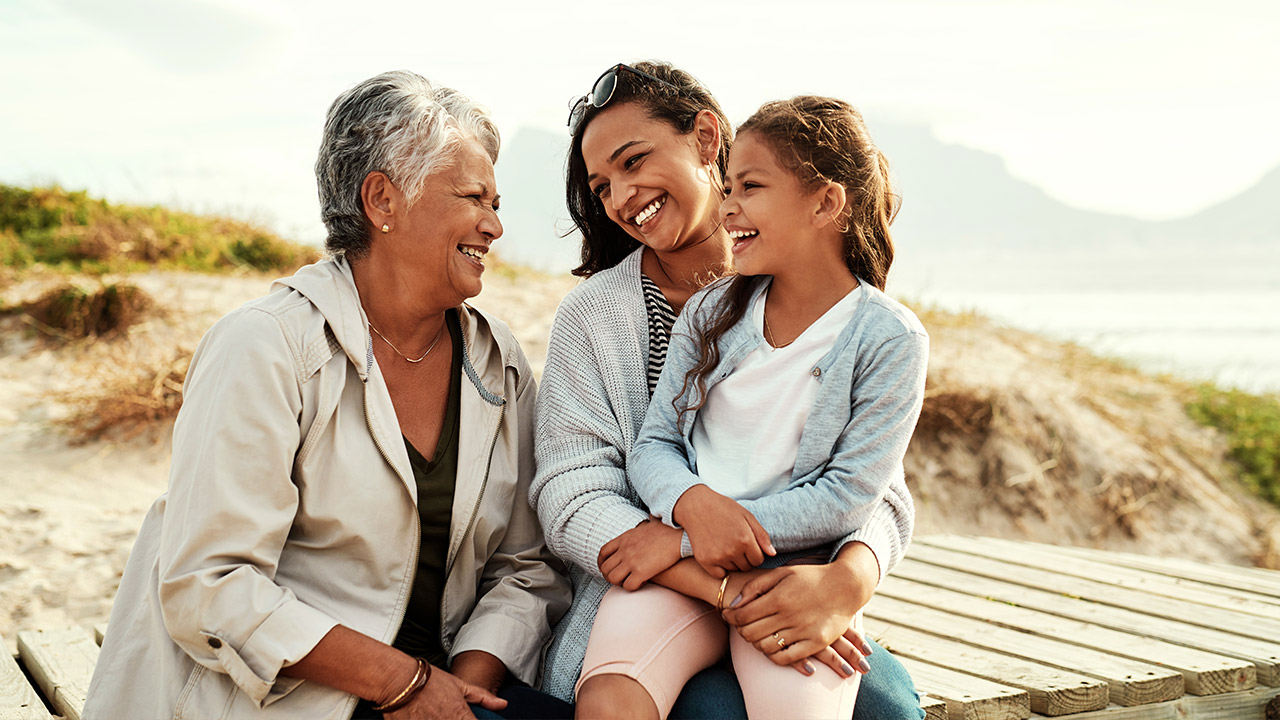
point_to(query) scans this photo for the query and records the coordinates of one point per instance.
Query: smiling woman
(341, 533)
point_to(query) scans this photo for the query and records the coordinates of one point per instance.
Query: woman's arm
(230, 506)
(580, 490)
(524, 590)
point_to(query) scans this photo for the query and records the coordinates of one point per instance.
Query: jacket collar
(329, 285)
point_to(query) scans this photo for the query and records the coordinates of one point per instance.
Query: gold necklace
(406, 357)
(769, 336)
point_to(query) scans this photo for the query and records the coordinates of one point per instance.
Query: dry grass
(124, 408)
(72, 312)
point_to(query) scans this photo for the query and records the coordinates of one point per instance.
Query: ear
(707, 133)
(830, 204)
(380, 197)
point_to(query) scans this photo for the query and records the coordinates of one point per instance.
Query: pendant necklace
(406, 357)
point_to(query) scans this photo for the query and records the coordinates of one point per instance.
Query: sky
(1154, 109)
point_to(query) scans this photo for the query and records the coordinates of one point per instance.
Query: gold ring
(781, 643)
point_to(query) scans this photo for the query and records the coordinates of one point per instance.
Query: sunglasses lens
(604, 87)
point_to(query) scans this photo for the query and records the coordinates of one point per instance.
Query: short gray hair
(397, 123)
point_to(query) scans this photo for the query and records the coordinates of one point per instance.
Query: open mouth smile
(475, 254)
(647, 214)
(740, 238)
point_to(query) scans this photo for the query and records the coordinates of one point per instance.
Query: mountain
(963, 213)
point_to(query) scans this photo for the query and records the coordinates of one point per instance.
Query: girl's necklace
(406, 357)
(769, 336)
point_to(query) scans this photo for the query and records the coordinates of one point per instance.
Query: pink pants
(661, 638)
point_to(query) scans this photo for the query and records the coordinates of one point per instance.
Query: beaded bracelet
(418, 682)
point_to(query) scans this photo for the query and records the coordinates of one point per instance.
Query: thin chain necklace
(406, 357)
(769, 336)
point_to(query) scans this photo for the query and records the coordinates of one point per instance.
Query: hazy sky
(1150, 108)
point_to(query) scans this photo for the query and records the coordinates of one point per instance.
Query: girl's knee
(614, 697)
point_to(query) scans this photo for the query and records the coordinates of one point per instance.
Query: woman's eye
(600, 191)
(634, 160)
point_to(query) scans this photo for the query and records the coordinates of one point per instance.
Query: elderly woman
(346, 521)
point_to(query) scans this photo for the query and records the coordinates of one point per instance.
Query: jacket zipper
(471, 522)
(403, 600)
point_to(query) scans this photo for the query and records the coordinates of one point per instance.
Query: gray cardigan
(590, 409)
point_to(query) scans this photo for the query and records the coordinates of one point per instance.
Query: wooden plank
(968, 697)
(1130, 682)
(1052, 691)
(1037, 556)
(1203, 673)
(1246, 705)
(1265, 656)
(18, 700)
(934, 709)
(61, 661)
(1232, 621)
(1265, 583)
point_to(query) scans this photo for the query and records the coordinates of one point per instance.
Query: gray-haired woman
(346, 517)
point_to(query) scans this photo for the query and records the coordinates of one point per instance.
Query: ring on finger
(782, 644)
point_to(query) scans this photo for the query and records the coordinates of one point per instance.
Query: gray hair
(397, 123)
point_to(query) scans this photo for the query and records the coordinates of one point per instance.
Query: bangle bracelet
(419, 681)
(720, 598)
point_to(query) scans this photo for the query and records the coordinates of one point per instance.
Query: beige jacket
(291, 508)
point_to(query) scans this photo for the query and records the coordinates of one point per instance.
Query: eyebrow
(621, 149)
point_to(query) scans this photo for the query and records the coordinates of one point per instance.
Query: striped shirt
(661, 318)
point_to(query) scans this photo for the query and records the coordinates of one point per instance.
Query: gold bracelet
(419, 681)
(720, 598)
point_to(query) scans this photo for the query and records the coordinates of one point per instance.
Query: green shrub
(1252, 426)
(71, 231)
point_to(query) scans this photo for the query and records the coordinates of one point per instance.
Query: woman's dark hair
(604, 242)
(819, 140)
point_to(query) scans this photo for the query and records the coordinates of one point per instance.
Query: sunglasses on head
(602, 92)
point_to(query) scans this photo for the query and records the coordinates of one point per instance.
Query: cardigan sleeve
(852, 493)
(580, 488)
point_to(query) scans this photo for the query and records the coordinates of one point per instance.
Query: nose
(491, 226)
(620, 193)
(728, 207)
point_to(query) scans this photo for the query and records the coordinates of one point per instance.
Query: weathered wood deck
(990, 629)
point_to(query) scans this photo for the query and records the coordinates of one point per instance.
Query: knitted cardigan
(591, 406)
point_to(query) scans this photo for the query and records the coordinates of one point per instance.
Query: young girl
(780, 421)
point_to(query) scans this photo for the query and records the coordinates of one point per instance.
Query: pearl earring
(385, 228)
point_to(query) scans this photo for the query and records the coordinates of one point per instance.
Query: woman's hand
(725, 536)
(446, 697)
(634, 557)
(809, 606)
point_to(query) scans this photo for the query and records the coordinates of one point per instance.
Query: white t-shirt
(747, 433)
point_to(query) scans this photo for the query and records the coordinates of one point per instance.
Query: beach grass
(1251, 424)
(70, 231)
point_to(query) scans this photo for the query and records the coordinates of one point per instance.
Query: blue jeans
(886, 693)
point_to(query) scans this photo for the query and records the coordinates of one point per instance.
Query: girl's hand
(446, 697)
(725, 536)
(634, 557)
(809, 606)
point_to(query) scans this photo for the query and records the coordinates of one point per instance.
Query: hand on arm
(635, 556)
(358, 664)
(725, 536)
(811, 607)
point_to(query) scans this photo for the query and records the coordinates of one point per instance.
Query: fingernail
(864, 666)
(736, 601)
(847, 668)
(809, 670)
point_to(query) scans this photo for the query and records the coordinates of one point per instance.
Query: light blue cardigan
(853, 442)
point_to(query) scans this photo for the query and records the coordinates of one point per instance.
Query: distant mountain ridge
(955, 199)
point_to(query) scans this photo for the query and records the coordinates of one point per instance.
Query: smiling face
(445, 234)
(769, 215)
(652, 180)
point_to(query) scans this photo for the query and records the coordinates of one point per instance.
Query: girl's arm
(858, 486)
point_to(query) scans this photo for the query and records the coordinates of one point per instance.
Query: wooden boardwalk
(990, 629)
